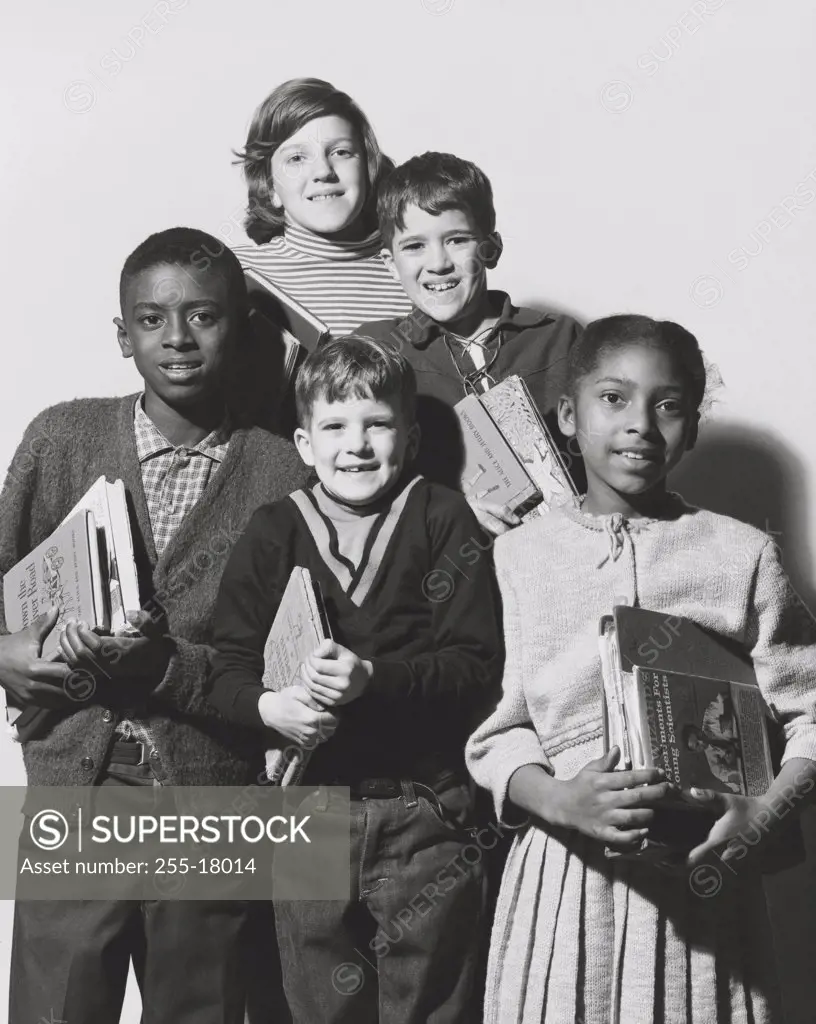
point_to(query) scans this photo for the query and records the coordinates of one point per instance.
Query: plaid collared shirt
(174, 479)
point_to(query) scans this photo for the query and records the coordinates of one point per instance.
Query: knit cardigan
(65, 449)
(560, 574)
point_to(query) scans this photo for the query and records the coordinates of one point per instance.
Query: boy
(416, 656)
(439, 230)
(193, 482)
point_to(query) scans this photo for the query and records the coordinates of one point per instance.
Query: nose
(439, 260)
(322, 169)
(641, 419)
(177, 333)
(357, 440)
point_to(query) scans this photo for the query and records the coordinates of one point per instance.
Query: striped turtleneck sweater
(344, 284)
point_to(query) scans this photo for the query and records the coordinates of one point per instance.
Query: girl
(312, 165)
(578, 936)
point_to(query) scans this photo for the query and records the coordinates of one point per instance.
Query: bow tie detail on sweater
(617, 532)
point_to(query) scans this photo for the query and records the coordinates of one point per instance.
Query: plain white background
(649, 157)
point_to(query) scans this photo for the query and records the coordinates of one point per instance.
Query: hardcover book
(679, 698)
(300, 626)
(492, 469)
(516, 414)
(283, 329)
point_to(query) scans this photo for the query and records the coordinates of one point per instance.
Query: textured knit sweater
(341, 283)
(419, 605)
(559, 575)
(578, 936)
(65, 449)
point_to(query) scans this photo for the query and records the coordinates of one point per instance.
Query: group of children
(434, 676)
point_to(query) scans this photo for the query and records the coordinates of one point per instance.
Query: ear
(494, 247)
(303, 443)
(122, 338)
(693, 433)
(274, 199)
(388, 260)
(566, 417)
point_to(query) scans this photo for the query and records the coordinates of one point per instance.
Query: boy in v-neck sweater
(416, 657)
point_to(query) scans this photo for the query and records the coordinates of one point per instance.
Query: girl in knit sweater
(579, 936)
(312, 164)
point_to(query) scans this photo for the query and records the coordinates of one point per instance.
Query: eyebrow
(205, 301)
(286, 146)
(631, 383)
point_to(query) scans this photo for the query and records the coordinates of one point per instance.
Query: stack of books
(87, 568)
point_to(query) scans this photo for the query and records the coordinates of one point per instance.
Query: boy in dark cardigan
(193, 480)
(415, 657)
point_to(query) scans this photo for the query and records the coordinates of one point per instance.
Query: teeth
(319, 199)
(441, 287)
(633, 455)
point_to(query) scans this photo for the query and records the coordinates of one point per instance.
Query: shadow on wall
(752, 475)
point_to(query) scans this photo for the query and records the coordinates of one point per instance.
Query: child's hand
(495, 518)
(111, 657)
(334, 675)
(294, 714)
(612, 807)
(26, 677)
(735, 814)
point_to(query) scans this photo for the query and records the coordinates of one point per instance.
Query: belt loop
(408, 793)
(322, 799)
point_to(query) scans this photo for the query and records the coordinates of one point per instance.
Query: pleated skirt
(582, 939)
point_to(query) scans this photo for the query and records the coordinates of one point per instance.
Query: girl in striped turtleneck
(312, 164)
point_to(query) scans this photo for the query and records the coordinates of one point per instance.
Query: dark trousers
(403, 948)
(70, 958)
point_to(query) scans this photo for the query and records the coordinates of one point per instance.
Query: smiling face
(320, 176)
(177, 326)
(357, 446)
(633, 418)
(441, 261)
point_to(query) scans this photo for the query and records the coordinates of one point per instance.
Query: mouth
(649, 455)
(322, 197)
(359, 469)
(180, 369)
(437, 288)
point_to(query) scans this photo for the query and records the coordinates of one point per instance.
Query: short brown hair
(355, 367)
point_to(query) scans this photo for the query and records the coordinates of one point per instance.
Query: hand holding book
(296, 715)
(28, 679)
(144, 656)
(334, 675)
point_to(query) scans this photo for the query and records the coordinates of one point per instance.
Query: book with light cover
(300, 626)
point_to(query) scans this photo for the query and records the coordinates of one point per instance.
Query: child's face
(320, 175)
(358, 446)
(177, 325)
(441, 261)
(633, 419)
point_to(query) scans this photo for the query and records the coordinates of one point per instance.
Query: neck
(604, 501)
(354, 232)
(475, 322)
(188, 426)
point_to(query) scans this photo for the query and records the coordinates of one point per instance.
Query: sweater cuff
(244, 708)
(801, 744)
(503, 764)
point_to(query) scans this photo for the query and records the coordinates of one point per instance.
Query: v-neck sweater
(420, 607)
(65, 449)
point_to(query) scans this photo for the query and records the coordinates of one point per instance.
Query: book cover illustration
(514, 411)
(492, 470)
(59, 571)
(707, 733)
(300, 626)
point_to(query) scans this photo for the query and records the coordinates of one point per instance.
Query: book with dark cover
(516, 414)
(492, 469)
(283, 329)
(300, 626)
(682, 699)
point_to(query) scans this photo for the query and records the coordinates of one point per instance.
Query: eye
(150, 320)
(613, 398)
(203, 318)
(344, 151)
(332, 426)
(672, 406)
(411, 247)
(459, 239)
(295, 158)
(382, 424)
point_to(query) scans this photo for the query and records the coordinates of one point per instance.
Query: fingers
(44, 623)
(327, 649)
(644, 796)
(326, 667)
(605, 763)
(624, 818)
(630, 779)
(73, 644)
(498, 512)
(146, 624)
(621, 839)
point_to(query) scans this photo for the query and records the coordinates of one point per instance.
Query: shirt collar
(309, 244)
(150, 441)
(420, 330)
